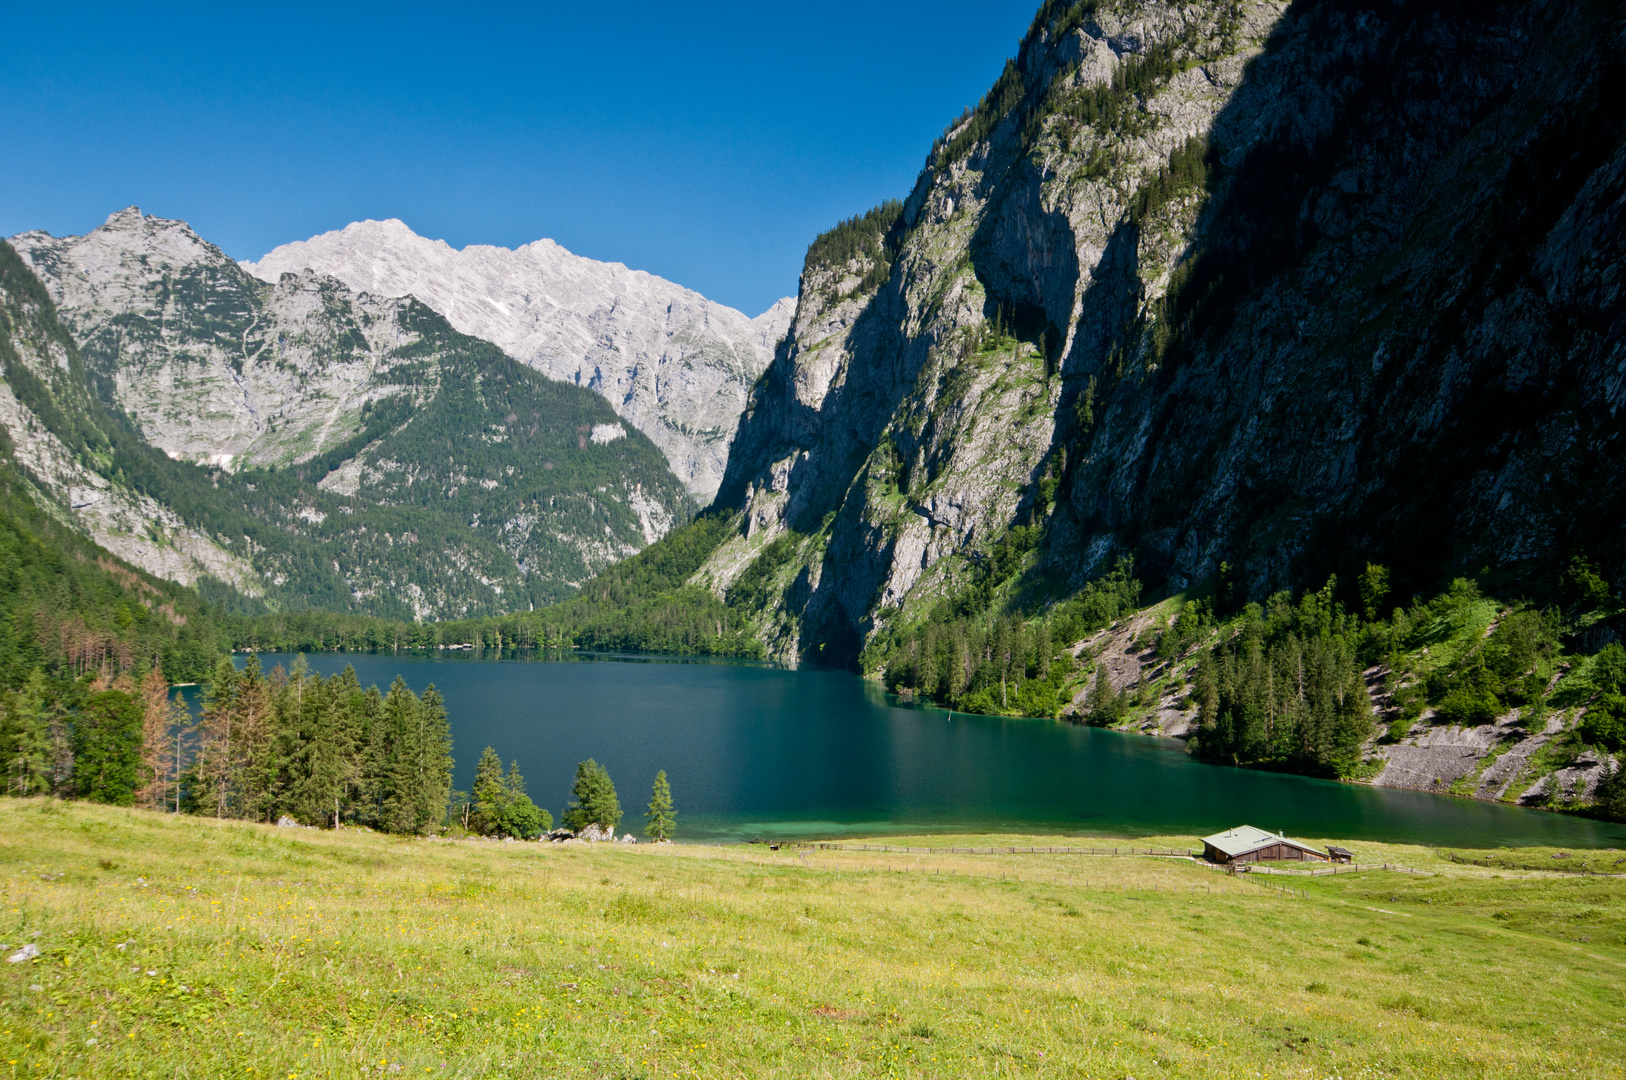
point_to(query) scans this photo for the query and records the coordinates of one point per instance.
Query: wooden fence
(1495, 864)
(1349, 868)
(891, 849)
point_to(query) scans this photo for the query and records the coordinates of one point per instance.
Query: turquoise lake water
(761, 751)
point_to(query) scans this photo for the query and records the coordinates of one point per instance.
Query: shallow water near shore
(754, 750)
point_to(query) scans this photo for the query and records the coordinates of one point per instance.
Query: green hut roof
(1246, 838)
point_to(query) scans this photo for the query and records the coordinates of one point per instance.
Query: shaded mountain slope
(1287, 287)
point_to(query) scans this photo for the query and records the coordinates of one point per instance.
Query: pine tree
(522, 818)
(255, 761)
(348, 731)
(212, 770)
(433, 778)
(1611, 792)
(375, 756)
(1104, 705)
(320, 753)
(662, 819)
(59, 737)
(593, 799)
(398, 811)
(1374, 588)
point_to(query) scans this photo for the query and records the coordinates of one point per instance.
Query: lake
(756, 750)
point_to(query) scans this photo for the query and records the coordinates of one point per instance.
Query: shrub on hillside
(1605, 723)
(1470, 706)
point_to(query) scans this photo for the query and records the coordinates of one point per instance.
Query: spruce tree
(348, 732)
(433, 781)
(316, 775)
(25, 737)
(593, 799)
(522, 818)
(375, 756)
(211, 774)
(107, 748)
(488, 793)
(662, 819)
(254, 761)
(1611, 792)
(1104, 704)
(163, 719)
(398, 810)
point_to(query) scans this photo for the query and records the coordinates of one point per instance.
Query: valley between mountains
(1241, 369)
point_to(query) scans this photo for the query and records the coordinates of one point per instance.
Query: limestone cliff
(346, 451)
(1290, 286)
(674, 364)
(48, 420)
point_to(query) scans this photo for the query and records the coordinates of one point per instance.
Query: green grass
(256, 952)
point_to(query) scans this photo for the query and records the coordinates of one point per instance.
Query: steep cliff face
(354, 451)
(52, 429)
(1285, 286)
(672, 363)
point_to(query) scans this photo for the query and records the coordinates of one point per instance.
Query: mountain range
(671, 363)
(1250, 292)
(298, 444)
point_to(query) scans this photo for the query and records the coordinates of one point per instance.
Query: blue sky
(707, 143)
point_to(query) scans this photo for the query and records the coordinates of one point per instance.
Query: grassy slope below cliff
(180, 947)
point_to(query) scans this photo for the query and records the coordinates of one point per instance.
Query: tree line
(1285, 689)
(501, 808)
(641, 604)
(288, 744)
(981, 651)
(320, 751)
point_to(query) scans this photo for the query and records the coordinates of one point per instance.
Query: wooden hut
(1341, 855)
(1246, 844)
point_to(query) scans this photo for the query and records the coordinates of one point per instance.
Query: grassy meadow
(180, 947)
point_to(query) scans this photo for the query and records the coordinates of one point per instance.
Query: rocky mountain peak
(673, 363)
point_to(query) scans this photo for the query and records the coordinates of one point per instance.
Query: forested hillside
(645, 603)
(89, 647)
